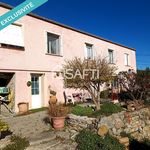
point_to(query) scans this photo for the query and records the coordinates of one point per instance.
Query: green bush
(17, 143)
(105, 94)
(147, 102)
(124, 96)
(3, 126)
(81, 111)
(107, 109)
(90, 141)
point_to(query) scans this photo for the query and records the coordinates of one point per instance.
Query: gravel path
(28, 125)
(39, 133)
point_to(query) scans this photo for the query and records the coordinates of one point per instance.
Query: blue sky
(123, 21)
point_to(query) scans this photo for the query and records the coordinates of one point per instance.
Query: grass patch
(107, 109)
(88, 140)
(81, 111)
(3, 126)
(17, 143)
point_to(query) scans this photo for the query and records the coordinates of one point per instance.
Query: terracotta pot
(58, 122)
(53, 100)
(23, 107)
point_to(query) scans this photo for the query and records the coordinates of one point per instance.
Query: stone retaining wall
(78, 123)
(136, 123)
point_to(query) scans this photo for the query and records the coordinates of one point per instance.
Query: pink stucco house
(34, 49)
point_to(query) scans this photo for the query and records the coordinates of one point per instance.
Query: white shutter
(125, 59)
(129, 60)
(12, 35)
(85, 51)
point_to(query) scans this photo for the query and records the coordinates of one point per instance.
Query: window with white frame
(53, 44)
(126, 59)
(110, 56)
(89, 51)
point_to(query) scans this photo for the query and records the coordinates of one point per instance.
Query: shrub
(124, 96)
(111, 143)
(147, 102)
(88, 140)
(58, 110)
(108, 109)
(105, 94)
(17, 143)
(3, 126)
(81, 111)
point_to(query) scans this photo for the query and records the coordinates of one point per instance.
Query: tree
(143, 81)
(127, 82)
(88, 74)
(137, 85)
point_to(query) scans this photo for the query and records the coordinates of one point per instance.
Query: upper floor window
(12, 37)
(126, 59)
(53, 42)
(89, 51)
(111, 56)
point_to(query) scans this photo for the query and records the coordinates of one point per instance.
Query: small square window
(53, 44)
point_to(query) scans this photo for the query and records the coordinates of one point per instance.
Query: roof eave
(68, 27)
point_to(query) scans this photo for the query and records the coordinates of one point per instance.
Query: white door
(36, 91)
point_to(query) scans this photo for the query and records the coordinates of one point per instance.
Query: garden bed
(106, 110)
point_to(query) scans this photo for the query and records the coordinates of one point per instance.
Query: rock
(146, 131)
(134, 105)
(119, 123)
(124, 140)
(109, 121)
(80, 122)
(135, 134)
(114, 131)
(147, 122)
(103, 130)
(135, 118)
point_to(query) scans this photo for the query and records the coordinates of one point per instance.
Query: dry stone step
(46, 145)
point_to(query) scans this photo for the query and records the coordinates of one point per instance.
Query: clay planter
(23, 107)
(58, 122)
(53, 99)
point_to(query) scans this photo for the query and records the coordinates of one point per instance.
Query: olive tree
(88, 74)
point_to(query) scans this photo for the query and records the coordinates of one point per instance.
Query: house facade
(34, 49)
